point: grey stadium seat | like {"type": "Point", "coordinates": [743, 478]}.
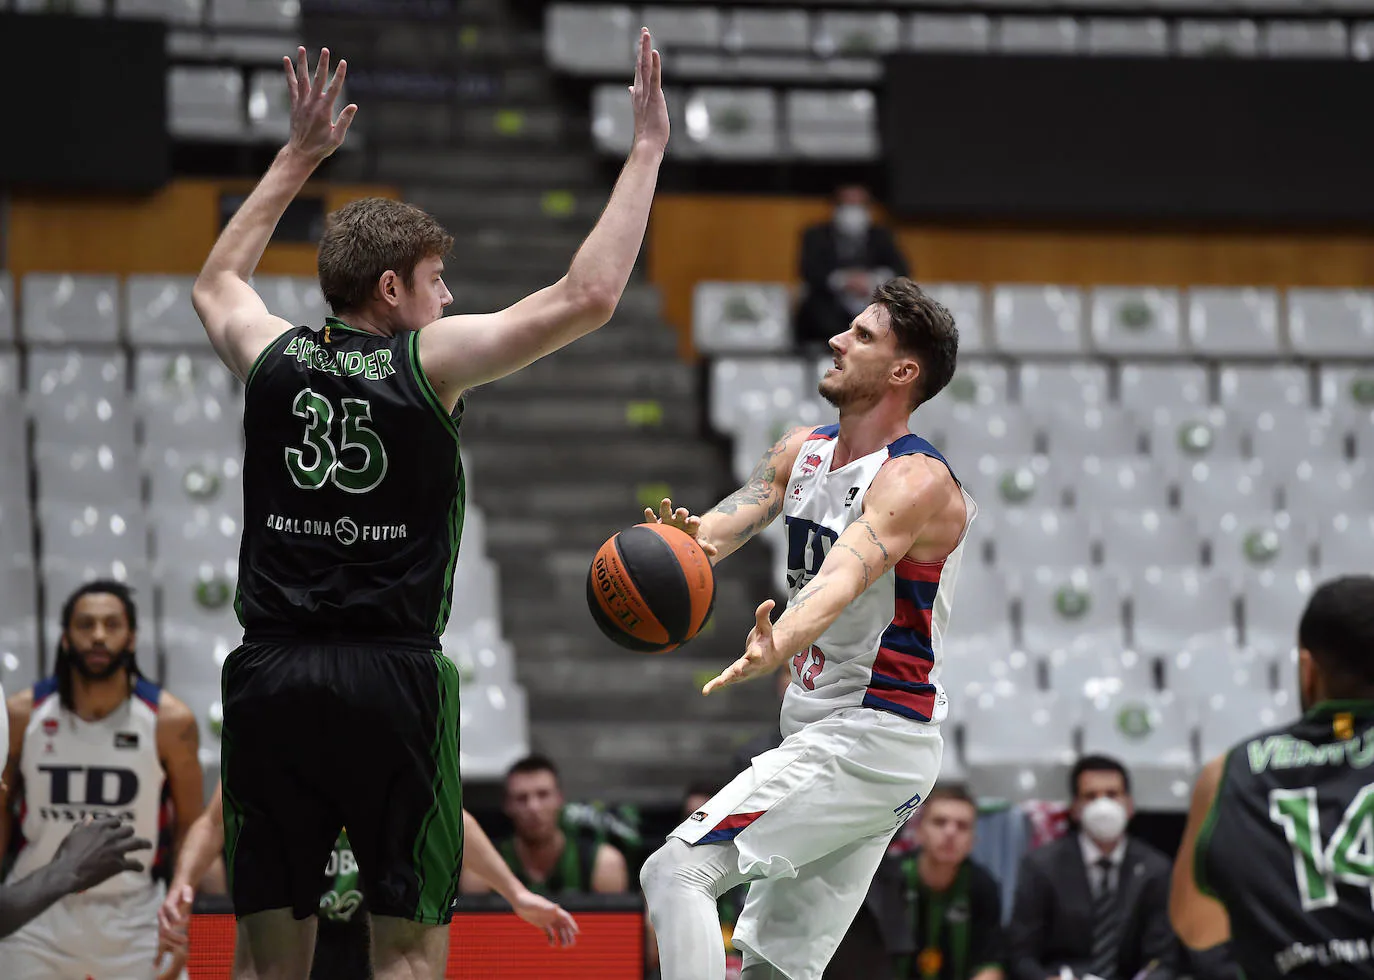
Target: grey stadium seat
{"type": "Point", "coordinates": [1005, 433]}
{"type": "Point", "coordinates": [1349, 394]}
{"type": "Point", "coordinates": [179, 12]}
{"type": "Point", "coordinates": [1328, 487]}
{"type": "Point", "coordinates": [262, 15]}
{"type": "Point", "coordinates": [1271, 605]}
{"type": "Point", "coordinates": [97, 475]}
{"type": "Point", "coordinates": [835, 125]}
{"type": "Point", "coordinates": [1031, 537]}
{"type": "Point", "coordinates": [1128, 36]}
{"type": "Point", "coordinates": [1072, 432]}
{"type": "Point", "coordinates": [182, 479]}
{"type": "Point", "coordinates": [296, 299]}
{"type": "Point", "coordinates": [158, 310]}
{"type": "Point", "coordinates": [85, 421]}
{"type": "Point", "coordinates": [1304, 39]}
{"type": "Point", "coordinates": [1198, 672]}
{"type": "Point", "coordinates": [1233, 321]}
{"type": "Point", "coordinates": [206, 103]}
{"type": "Point", "coordinates": [1146, 539]}
{"type": "Point", "coordinates": [269, 104]}
{"type": "Point", "coordinates": [1211, 488]}
{"type": "Point", "coordinates": [1078, 383]}
{"type": "Point", "coordinates": [1231, 716]}
{"type": "Point", "coordinates": [1075, 609]}
{"type": "Point", "coordinates": [16, 530]}
{"type": "Point", "coordinates": [1331, 322]}
{"type": "Point", "coordinates": [65, 309]}
{"type": "Point", "coordinates": [1021, 746]}
{"type": "Point", "coordinates": [768, 30]}
{"type": "Point", "coordinates": [1173, 387]}
{"type": "Point", "coordinates": [164, 378]}
{"type": "Point", "coordinates": [754, 389]}
{"type": "Point", "coordinates": [1292, 436]}
{"type": "Point", "coordinates": [205, 422]}
{"type": "Point", "coordinates": [493, 729]}
{"type": "Point", "coordinates": [1268, 388]}
{"type": "Point", "coordinates": [732, 317]}
{"type": "Point", "coordinates": [86, 534]}
{"type": "Point", "coordinates": [6, 309]}
{"type": "Point", "coordinates": [1243, 541]}
{"type": "Point", "coordinates": [1038, 35]}
{"type": "Point", "coordinates": [695, 27]}
{"type": "Point", "coordinates": [1217, 38]}
{"type": "Point", "coordinates": [1190, 436]}
{"type": "Point", "coordinates": [1347, 545]}
{"type": "Point", "coordinates": [1100, 485]}
{"type": "Point", "coordinates": [1038, 319]}
{"type": "Point", "coordinates": [854, 33]}
{"type": "Point", "coordinates": [196, 536]}
{"type": "Point", "coordinates": [949, 32]}
{"type": "Point", "coordinates": [1128, 320]}
{"type": "Point", "coordinates": [733, 123]}
{"type": "Point", "coordinates": [1171, 611]}
{"type": "Point", "coordinates": [1151, 735]}
{"type": "Point", "coordinates": [1104, 671]}
{"type": "Point", "coordinates": [60, 375]}
{"type": "Point", "coordinates": [965, 303]}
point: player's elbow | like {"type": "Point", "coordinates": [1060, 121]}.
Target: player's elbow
{"type": "Point", "coordinates": [208, 296]}
{"type": "Point", "coordinates": [595, 304]}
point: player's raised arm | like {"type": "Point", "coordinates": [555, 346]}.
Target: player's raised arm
{"type": "Point", "coordinates": [908, 494]}
{"type": "Point", "coordinates": [461, 351]}
{"type": "Point", "coordinates": [235, 317]}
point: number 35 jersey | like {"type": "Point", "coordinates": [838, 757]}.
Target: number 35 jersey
{"type": "Point", "coordinates": [883, 651]}
{"type": "Point", "coordinates": [353, 491]}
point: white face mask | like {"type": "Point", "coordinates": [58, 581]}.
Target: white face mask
{"type": "Point", "coordinates": [852, 219]}
{"type": "Point", "coordinates": [1104, 819]}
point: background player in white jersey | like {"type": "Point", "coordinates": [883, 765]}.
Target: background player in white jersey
{"type": "Point", "coordinates": [96, 740]}
{"type": "Point", "coordinates": [875, 522]}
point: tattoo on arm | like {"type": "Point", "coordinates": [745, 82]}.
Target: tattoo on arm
{"type": "Point", "coordinates": [863, 563]}
{"type": "Point", "coordinates": [873, 537]}
{"type": "Point", "coordinates": [758, 491]}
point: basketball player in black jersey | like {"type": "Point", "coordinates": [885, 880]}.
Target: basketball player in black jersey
{"type": "Point", "coordinates": [339, 708]}
{"type": "Point", "coordinates": [1278, 853]}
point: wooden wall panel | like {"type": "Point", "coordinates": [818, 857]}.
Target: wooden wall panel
{"type": "Point", "coordinates": [170, 231]}
{"type": "Point", "coordinates": [696, 237]}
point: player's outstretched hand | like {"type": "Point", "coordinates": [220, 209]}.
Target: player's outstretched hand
{"type": "Point", "coordinates": [681, 519]}
{"type": "Point", "coordinates": [646, 95]}
{"type": "Point", "coordinates": [98, 849]}
{"type": "Point", "coordinates": [760, 655]}
{"type": "Point", "coordinates": [558, 925]}
{"type": "Point", "coordinates": [314, 130]}
{"type": "Point", "coordinates": [173, 918]}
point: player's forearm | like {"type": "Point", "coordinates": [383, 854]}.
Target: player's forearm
{"type": "Point", "coordinates": [482, 859]}
{"type": "Point", "coordinates": [603, 264]}
{"type": "Point", "coordinates": [811, 611]}
{"type": "Point", "coordinates": [244, 239]}
{"type": "Point", "coordinates": [29, 897]}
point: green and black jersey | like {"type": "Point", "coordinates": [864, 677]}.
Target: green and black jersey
{"type": "Point", "coordinates": [1288, 847]}
{"type": "Point", "coordinates": [353, 491]}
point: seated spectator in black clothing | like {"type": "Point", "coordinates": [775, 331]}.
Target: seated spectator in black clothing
{"type": "Point", "coordinates": [547, 860]}
{"type": "Point", "coordinates": [841, 263]}
{"type": "Point", "coordinates": [1095, 902]}
{"type": "Point", "coordinates": [934, 913]}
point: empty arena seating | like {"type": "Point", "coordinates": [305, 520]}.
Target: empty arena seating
{"type": "Point", "coordinates": [1163, 475]}
{"type": "Point", "coordinates": [121, 435]}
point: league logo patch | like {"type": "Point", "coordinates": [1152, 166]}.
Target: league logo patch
{"type": "Point", "coordinates": [699, 816]}
{"type": "Point", "coordinates": [126, 740]}
{"type": "Point", "coordinates": [811, 464]}
{"type": "Point", "coordinates": [849, 497]}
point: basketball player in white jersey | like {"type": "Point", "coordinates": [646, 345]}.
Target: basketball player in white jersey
{"type": "Point", "coordinates": [875, 524]}
{"type": "Point", "coordinates": [96, 740]}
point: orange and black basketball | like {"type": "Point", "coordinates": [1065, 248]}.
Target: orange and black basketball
{"type": "Point", "coordinates": [650, 588]}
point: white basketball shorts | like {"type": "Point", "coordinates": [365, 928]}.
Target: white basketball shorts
{"type": "Point", "coordinates": [811, 820]}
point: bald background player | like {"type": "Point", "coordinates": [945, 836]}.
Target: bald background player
{"type": "Point", "coordinates": [353, 513]}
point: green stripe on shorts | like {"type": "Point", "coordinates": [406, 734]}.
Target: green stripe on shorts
{"type": "Point", "coordinates": [438, 852]}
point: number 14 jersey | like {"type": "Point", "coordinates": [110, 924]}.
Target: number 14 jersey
{"type": "Point", "coordinates": [353, 491]}
{"type": "Point", "coordinates": [883, 652]}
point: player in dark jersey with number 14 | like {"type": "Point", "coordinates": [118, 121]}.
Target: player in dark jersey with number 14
{"type": "Point", "coordinates": [1278, 853]}
{"type": "Point", "coordinates": [339, 708]}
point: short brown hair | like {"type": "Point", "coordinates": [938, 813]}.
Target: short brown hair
{"type": "Point", "coordinates": [951, 791]}
{"type": "Point", "coordinates": [364, 239]}
{"type": "Point", "coordinates": [924, 329]}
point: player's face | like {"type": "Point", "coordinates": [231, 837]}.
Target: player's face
{"type": "Point", "coordinates": [866, 357]}
{"type": "Point", "coordinates": [946, 830]}
{"type": "Point", "coordinates": [424, 299]}
{"type": "Point", "coordinates": [99, 634]}
{"type": "Point", "coordinates": [533, 802]}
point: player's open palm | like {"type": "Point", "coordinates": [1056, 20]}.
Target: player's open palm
{"type": "Point", "coordinates": [314, 130]}
{"type": "Point", "coordinates": [646, 95]}
{"type": "Point", "coordinates": [761, 656]}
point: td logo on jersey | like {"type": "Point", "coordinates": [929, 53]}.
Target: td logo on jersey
{"type": "Point", "coordinates": [75, 791]}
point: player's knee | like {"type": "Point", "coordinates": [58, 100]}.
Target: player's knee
{"type": "Point", "coordinates": [672, 868]}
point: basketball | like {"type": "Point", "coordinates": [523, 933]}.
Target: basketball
{"type": "Point", "coordinates": [650, 588]}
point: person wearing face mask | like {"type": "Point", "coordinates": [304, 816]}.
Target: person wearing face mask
{"type": "Point", "coordinates": [1093, 904]}
{"type": "Point", "coordinates": [1276, 854]}
{"type": "Point", "coordinates": [842, 261]}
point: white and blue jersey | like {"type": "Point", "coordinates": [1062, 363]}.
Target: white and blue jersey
{"type": "Point", "coordinates": [883, 651]}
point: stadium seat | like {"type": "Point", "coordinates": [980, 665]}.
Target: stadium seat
{"type": "Point", "coordinates": [1135, 321]}
{"type": "Point", "coordinates": [965, 303]}
{"type": "Point", "coordinates": [1230, 716]}
{"type": "Point", "coordinates": [1019, 747]}
{"type": "Point", "coordinates": [733, 123]}
{"type": "Point", "coordinates": [768, 30]}
{"type": "Point", "coordinates": [1346, 545]}
{"type": "Point", "coordinates": [1270, 388]}
{"type": "Point", "coordinates": [476, 590]}
{"type": "Point", "coordinates": [296, 299]}
{"type": "Point", "coordinates": [6, 309]}
{"type": "Point", "coordinates": [93, 474]}
{"type": "Point", "coordinates": [164, 378]}
{"type": "Point", "coordinates": [260, 15]}
{"type": "Point", "coordinates": [199, 627]}
{"type": "Point", "coordinates": [1290, 437]}
{"type": "Point", "coordinates": [1362, 40]}
{"type": "Point", "coordinates": [690, 27]}
{"type": "Point", "coordinates": [20, 664]}
{"type": "Point", "coordinates": [1005, 483]}
{"type": "Point", "coordinates": [1197, 671]}
{"type": "Point", "coordinates": [1129, 37]}
{"type": "Point", "coordinates": [1189, 436]}
{"type": "Point", "coordinates": [1099, 485]}
{"type": "Point", "coordinates": [1037, 319]}
{"type": "Point", "coordinates": [158, 311]}
{"type": "Point", "coordinates": [982, 605]}
{"type": "Point", "coordinates": [493, 730]}
{"type": "Point", "coordinates": [9, 378]}
{"type": "Point", "coordinates": [1304, 39]}
{"type": "Point", "coordinates": [1233, 321]}
{"type": "Point", "coordinates": [1210, 488]}
{"type": "Point", "coordinates": [87, 8]}
{"type": "Point", "coordinates": [177, 12]}
{"type": "Point", "coordinates": [206, 422]}
{"type": "Point", "coordinates": [83, 420]}
{"type": "Point", "coordinates": [480, 652]}
{"type": "Point", "coordinates": [1173, 610]}
{"type": "Point", "coordinates": [1271, 605]}
{"type": "Point", "coordinates": [1038, 35]}
{"type": "Point", "coordinates": [205, 103]}
{"type": "Point", "coordinates": [1331, 322]}
{"type": "Point", "coordinates": [1151, 735]}
{"type": "Point", "coordinates": [1328, 488]}
{"type": "Point", "coordinates": [1051, 538]}
{"type": "Point", "coordinates": [1175, 388]}
{"type": "Point", "coordinates": [1348, 392]}
{"type": "Point", "coordinates": [1071, 609]}
{"type": "Point", "coordinates": [269, 104]}
{"type": "Point", "coordinates": [105, 536]}
{"type": "Point", "coordinates": [949, 32]}
{"type": "Point", "coordinates": [184, 479]}
{"type": "Point", "coordinates": [197, 535]}
{"type": "Point", "coordinates": [16, 531]}
{"type": "Point", "coordinates": [849, 33]}
{"type": "Point", "coordinates": [834, 125]}
{"type": "Point", "coordinates": [1003, 433]}
{"type": "Point", "coordinates": [1074, 431]}
{"type": "Point", "coordinates": [1103, 671]}
{"type": "Point", "coordinates": [594, 39]}
{"type": "Point", "coordinates": [1217, 38]}
{"type": "Point", "coordinates": [1248, 540]}
{"type": "Point", "coordinates": [753, 389]}
{"type": "Point", "coordinates": [70, 309]}
{"type": "Point", "coordinates": [1150, 539]}
{"type": "Point", "coordinates": [731, 317]}
{"type": "Point", "coordinates": [58, 375]}
{"type": "Point", "coordinates": [1076, 383]}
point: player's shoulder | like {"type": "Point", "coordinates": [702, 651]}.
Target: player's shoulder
{"type": "Point", "coordinates": [171, 710]}
{"type": "Point", "coordinates": [20, 705]}
{"type": "Point", "coordinates": [916, 478]}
